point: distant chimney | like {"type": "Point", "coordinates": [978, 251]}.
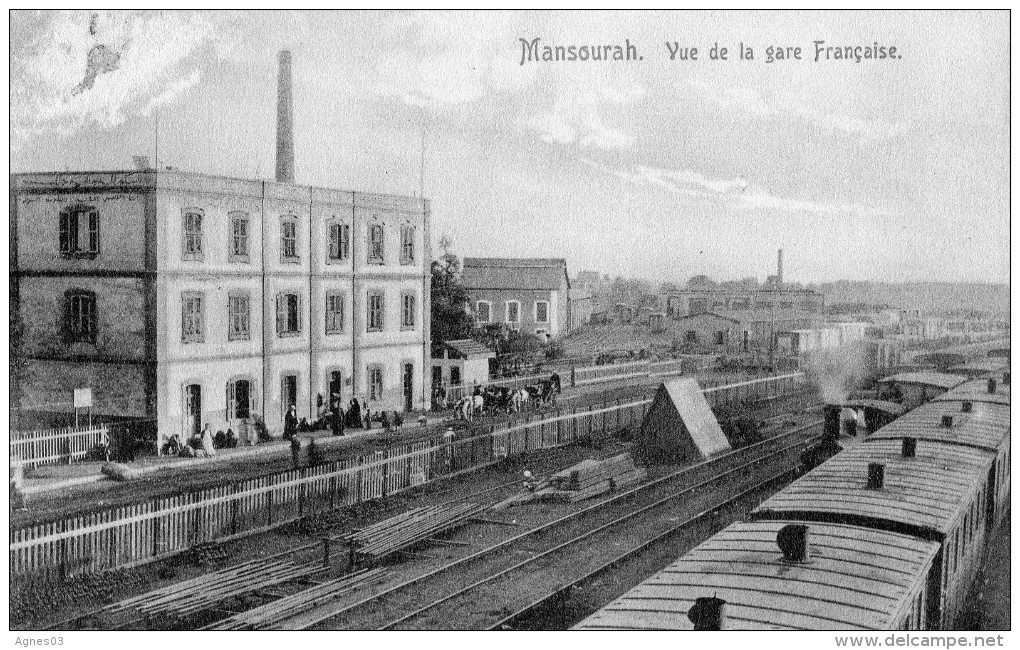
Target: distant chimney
{"type": "Point", "coordinates": [991, 385]}
{"type": "Point", "coordinates": [909, 447]}
{"type": "Point", "coordinates": [947, 421]}
{"type": "Point", "coordinates": [707, 614]}
{"type": "Point", "coordinates": [141, 163]}
{"type": "Point", "coordinates": [284, 122]}
{"type": "Point", "coordinates": [779, 270]}
{"type": "Point", "coordinates": [876, 476]}
{"type": "Point", "coordinates": [793, 542]}
{"type": "Point", "coordinates": [966, 407]}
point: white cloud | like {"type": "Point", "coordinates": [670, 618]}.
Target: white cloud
{"type": "Point", "coordinates": [757, 105]}
{"type": "Point", "coordinates": [153, 68]}
{"type": "Point", "coordinates": [735, 193]}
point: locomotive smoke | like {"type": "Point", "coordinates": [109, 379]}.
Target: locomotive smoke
{"type": "Point", "coordinates": [835, 371]}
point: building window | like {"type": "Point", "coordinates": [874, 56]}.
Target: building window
{"type": "Point", "coordinates": [484, 311]}
{"type": "Point", "coordinates": [79, 231]}
{"type": "Point", "coordinates": [288, 314]}
{"type": "Point", "coordinates": [692, 336]}
{"type": "Point", "coordinates": [720, 338]}
{"type": "Point", "coordinates": [288, 240]}
{"type": "Point", "coordinates": [192, 318]}
{"type": "Point", "coordinates": [375, 244]}
{"type": "Point", "coordinates": [542, 312]}
{"type": "Point", "coordinates": [786, 304]}
{"type": "Point", "coordinates": [339, 242]}
{"type": "Point", "coordinates": [407, 310]}
{"type": "Point", "coordinates": [513, 313]}
{"type": "Point", "coordinates": [239, 229]}
{"type": "Point", "coordinates": [80, 316]}
{"type": "Point", "coordinates": [375, 312]}
{"type": "Point", "coordinates": [193, 234]}
{"type": "Point", "coordinates": [334, 313]}
{"type": "Point", "coordinates": [375, 384]}
{"type": "Point", "coordinates": [238, 317]}
{"type": "Point", "coordinates": [407, 244]}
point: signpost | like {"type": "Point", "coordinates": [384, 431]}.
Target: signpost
{"type": "Point", "coordinates": [82, 400]}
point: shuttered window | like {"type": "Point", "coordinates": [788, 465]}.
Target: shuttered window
{"type": "Point", "coordinates": [407, 311]}
{"type": "Point", "coordinates": [375, 312]}
{"type": "Point", "coordinates": [339, 242]}
{"type": "Point", "coordinates": [334, 313]}
{"type": "Point", "coordinates": [79, 231]}
{"type": "Point", "coordinates": [288, 314]}
{"type": "Point", "coordinates": [376, 245]}
{"type": "Point", "coordinates": [375, 383]}
{"type": "Point", "coordinates": [193, 234]}
{"type": "Point", "coordinates": [192, 318]}
{"type": "Point", "coordinates": [239, 317]}
{"type": "Point", "coordinates": [239, 226]}
{"type": "Point", "coordinates": [288, 240]}
{"type": "Point", "coordinates": [407, 244]}
{"type": "Point", "coordinates": [80, 316]}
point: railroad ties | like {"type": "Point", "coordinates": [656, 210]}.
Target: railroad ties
{"type": "Point", "coordinates": [375, 542]}
{"type": "Point", "coordinates": [275, 614]}
{"type": "Point", "coordinates": [591, 478]}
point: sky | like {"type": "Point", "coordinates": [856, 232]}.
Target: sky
{"type": "Point", "coordinates": [893, 169]}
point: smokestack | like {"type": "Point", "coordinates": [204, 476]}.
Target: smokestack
{"type": "Point", "coordinates": [779, 270]}
{"type": "Point", "coordinates": [707, 614]}
{"type": "Point", "coordinates": [284, 122]}
{"type": "Point", "coordinates": [909, 447]}
{"type": "Point", "coordinates": [793, 542]}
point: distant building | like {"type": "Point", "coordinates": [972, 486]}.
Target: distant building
{"type": "Point", "coordinates": [530, 295]}
{"type": "Point", "coordinates": [462, 362]}
{"type": "Point", "coordinates": [581, 307]}
{"type": "Point", "coordinates": [708, 330]}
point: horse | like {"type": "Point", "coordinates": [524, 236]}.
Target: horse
{"type": "Point", "coordinates": [463, 409]}
{"type": "Point", "coordinates": [478, 404]}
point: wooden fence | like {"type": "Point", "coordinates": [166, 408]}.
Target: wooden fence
{"type": "Point", "coordinates": [144, 532]}
{"type": "Point", "coordinates": [48, 446]}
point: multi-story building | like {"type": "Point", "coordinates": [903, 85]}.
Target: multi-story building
{"type": "Point", "coordinates": [190, 299]}
{"type": "Point", "coordinates": [529, 295]}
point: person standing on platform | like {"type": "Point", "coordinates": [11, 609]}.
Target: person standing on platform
{"type": "Point", "coordinates": [337, 419]}
{"type": "Point", "coordinates": [290, 423]}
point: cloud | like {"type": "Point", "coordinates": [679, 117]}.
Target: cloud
{"type": "Point", "coordinates": [735, 193]}
{"type": "Point", "coordinates": [756, 105]}
{"type": "Point", "coordinates": [155, 66]}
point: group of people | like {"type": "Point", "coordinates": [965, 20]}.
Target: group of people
{"type": "Point", "coordinates": [201, 444]}
{"type": "Point", "coordinates": [336, 419]}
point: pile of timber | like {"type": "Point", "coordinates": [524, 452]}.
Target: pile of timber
{"type": "Point", "coordinates": [183, 599]}
{"type": "Point", "coordinates": [271, 615]}
{"type": "Point", "coordinates": [407, 529]}
{"type": "Point", "coordinates": [591, 478]}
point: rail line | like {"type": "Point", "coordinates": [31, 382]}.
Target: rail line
{"type": "Point", "coordinates": [400, 602]}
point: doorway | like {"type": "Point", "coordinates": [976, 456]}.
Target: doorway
{"type": "Point", "coordinates": [239, 400]}
{"type": "Point", "coordinates": [336, 386]}
{"type": "Point", "coordinates": [408, 386]}
{"type": "Point", "coordinates": [288, 392]}
{"type": "Point", "coordinates": [192, 409]}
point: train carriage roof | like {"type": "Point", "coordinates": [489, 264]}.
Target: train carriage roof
{"type": "Point", "coordinates": [922, 495]}
{"type": "Point", "coordinates": [986, 426]}
{"type": "Point", "coordinates": [976, 390]}
{"type": "Point", "coordinates": [937, 379]}
{"type": "Point", "coordinates": [854, 578]}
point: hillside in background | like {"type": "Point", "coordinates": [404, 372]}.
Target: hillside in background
{"type": "Point", "coordinates": [929, 296]}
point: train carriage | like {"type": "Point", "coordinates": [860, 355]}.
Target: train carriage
{"type": "Point", "coordinates": [850, 578]}
{"type": "Point", "coordinates": [936, 480]}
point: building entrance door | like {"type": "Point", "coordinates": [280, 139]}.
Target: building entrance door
{"type": "Point", "coordinates": [288, 395]}
{"type": "Point", "coordinates": [408, 386]}
{"type": "Point", "coordinates": [336, 386]}
{"type": "Point", "coordinates": [192, 409]}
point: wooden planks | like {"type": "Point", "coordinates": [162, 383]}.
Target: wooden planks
{"type": "Point", "coordinates": [390, 535]}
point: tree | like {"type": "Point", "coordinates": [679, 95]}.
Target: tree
{"type": "Point", "coordinates": [450, 317]}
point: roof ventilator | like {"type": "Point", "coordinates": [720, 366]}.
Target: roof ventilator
{"type": "Point", "coordinates": [707, 614]}
{"type": "Point", "coordinates": [947, 421]}
{"type": "Point", "coordinates": [991, 385]}
{"type": "Point", "coordinates": [876, 476]}
{"type": "Point", "coordinates": [967, 407]}
{"type": "Point", "coordinates": [793, 542]}
{"type": "Point", "coordinates": [909, 447]}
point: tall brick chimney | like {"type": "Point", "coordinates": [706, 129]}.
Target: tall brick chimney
{"type": "Point", "coordinates": [779, 271]}
{"type": "Point", "coordinates": [284, 122]}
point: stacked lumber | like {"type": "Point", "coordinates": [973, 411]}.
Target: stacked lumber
{"type": "Point", "coordinates": [591, 478]}
{"type": "Point", "coordinates": [271, 615]}
{"type": "Point", "coordinates": [183, 599]}
{"type": "Point", "coordinates": [391, 535]}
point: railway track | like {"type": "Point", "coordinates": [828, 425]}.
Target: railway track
{"type": "Point", "coordinates": [486, 588]}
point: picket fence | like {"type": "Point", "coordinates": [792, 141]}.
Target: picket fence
{"type": "Point", "coordinates": [143, 532]}
{"type": "Point", "coordinates": [48, 446]}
